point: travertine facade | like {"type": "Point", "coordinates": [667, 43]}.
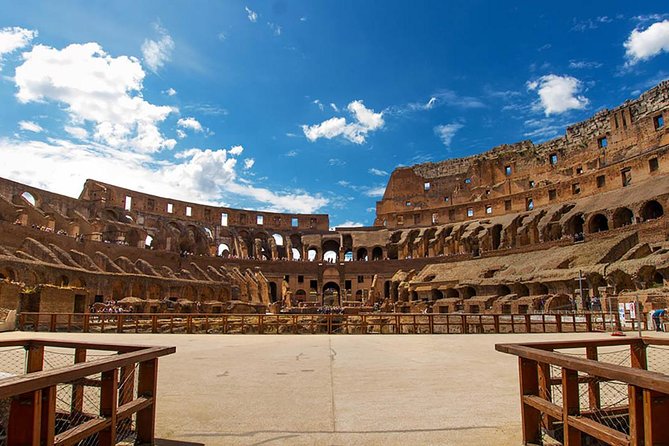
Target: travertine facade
{"type": "Point", "coordinates": [491, 232]}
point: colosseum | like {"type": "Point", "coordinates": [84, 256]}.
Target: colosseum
{"type": "Point", "coordinates": [520, 228]}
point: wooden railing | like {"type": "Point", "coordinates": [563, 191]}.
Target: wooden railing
{"type": "Point", "coordinates": [383, 323]}
{"type": "Point", "coordinates": [65, 393]}
{"type": "Point", "coordinates": [607, 391]}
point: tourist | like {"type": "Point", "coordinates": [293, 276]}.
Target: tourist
{"type": "Point", "coordinates": [658, 315]}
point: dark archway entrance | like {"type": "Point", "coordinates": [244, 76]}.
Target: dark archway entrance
{"type": "Point", "coordinates": [272, 292]}
{"type": "Point", "coordinates": [622, 217]}
{"type": "Point", "coordinates": [598, 223]}
{"type": "Point", "coordinates": [651, 210]}
{"type": "Point", "coordinates": [331, 293]}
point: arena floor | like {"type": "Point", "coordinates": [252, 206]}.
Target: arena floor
{"type": "Point", "coordinates": [334, 389]}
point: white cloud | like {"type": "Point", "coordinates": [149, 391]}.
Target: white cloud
{"type": "Point", "coordinates": [76, 132]}
{"type": "Point", "coordinates": [319, 104]}
{"type": "Point", "coordinates": [181, 134]}
{"type": "Point", "coordinates": [157, 52]}
{"type": "Point", "coordinates": [584, 64]}
{"type": "Point", "coordinates": [248, 163]}
{"type": "Point", "coordinates": [378, 172]}
{"type": "Point", "coordinates": [446, 132]}
{"type": "Point", "coordinates": [30, 126]}
{"type": "Point", "coordinates": [95, 87]}
{"type": "Point", "coordinates": [13, 38]}
{"type": "Point", "coordinates": [190, 123]}
{"type": "Point", "coordinates": [170, 92]}
{"type": "Point", "coordinates": [252, 16]}
{"type": "Point", "coordinates": [350, 224]}
{"type": "Point", "coordinates": [334, 107]}
{"type": "Point", "coordinates": [222, 36]}
{"type": "Point", "coordinates": [376, 191]}
{"type": "Point", "coordinates": [276, 29]}
{"type": "Point", "coordinates": [336, 162]}
{"type": "Point", "coordinates": [365, 121]}
{"type": "Point", "coordinates": [558, 94]}
{"type": "Point", "coordinates": [644, 44]}
{"type": "Point", "coordinates": [291, 153]}
{"type": "Point", "coordinates": [236, 150]}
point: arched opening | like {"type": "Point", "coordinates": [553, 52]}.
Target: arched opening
{"type": "Point", "coordinates": [30, 198]}
{"type": "Point", "coordinates": [496, 235]}
{"type": "Point", "coordinates": [63, 280]}
{"type": "Point", "coordinates": [330, 257]}
{"type": "Point", "coordinates": [377, 253]}
{"type": "Point", "coordinates": [358, 295]}
{"type": "Point", "coordinates": [503, 290]}
{"type": "Point", "coordinates": [651, 210]}
{"type": "Point", "coordinates": [296, 254]}
{"type": "Point", "coordinates": [437, 294]}
{"type": "Point", "coordinates": [658, 279]}
{"type": "Point", "coordinates": [8, 273]}
{"type": "Point", "coordinates": [312, 254]}
{"type": "Point", "coordinates": [598, 223]}
{"type": "Point", "coordinates": [272, 292]}
{"type": "Point", "coordinates": [521, 290]}
{"type": "Point", "coordinates": [278, 238]}
{"type": "Point", "coordinates": [541, 289]}
{"type": "Point", "coordinates": [452, 292]}
{"type": "Point", "coordinates": [386, 289]}
{"type": "Point", "coordinates": [223, 250]}
{"type": "Point", "coordinates": [132, 237]}
{"type": "Point", "coordinates": [300, 295]}
{"type": "Point", "coordinates": [622, 217]}
{"type": "Point", "coordinates": [575, 225]}
{"type": "Point", "coordinates": [361, 254]}
{"type": "Point", "coordinates": [331, 293]}
{"type": "Point", "coordinates": [348, 256]}
{"type": "Point", "coordinates": [148, 241]}
{"type": "Point", "coordinates": [468, 292]}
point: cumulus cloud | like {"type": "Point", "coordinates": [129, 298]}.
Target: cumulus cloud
{"type": "Point", "coordinates": [157, 52]}
{"type": "Point", "coordinates": [248, 163]}
{"type": "Point", "coordinates": [319, 104]}
{"type": "Point", "coordinates": [30, 126]}
{"type": "Point", "coordinates": [446, 132]}
{"type": "Point", "coordinates": [584, 64]}
{"type": "Point", "coordinates": [170, 92]}
{"type": "Point", "coordinates": [350, 224]}
{"type": "Point", "coordinates": [190, 123]}
{"type": "Point", "coordinates": [76, 132]}
{"type": "Point", "coordinates": [98, 88]}
{"type": "Point", "coordinates": [644, 44]}
{"type": "Point", "coordinates": [558, 94]}
{"type": "Point", "coordinates": [376, 191]}
{"type": "Point", "coordinates": [378, 172]}
{"type": "Point", "coordinates": [14, 38]}
{"type": "Point", "coordinates": [364, 121]}
{"type": "Point", "coordinates": [252, 15]}
{"type": "Point", "coordinates": [236, 150]}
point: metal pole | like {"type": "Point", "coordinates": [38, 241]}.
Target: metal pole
{"type": "Point", "coordinates": [638, 313]}
{"type": "Point", "coordinates": [580, 288]}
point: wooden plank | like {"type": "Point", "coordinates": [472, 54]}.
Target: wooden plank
{"type": "Point", "coordinates": [147, 387]}
{"type": "Point", "coordinates": [599, 431]}
{"type": "Point", "coordinates": [81, 431]}
{"type": "Point", "coordinates": [544, 371]}
{"type": "Point", "coordinates": [25, 419]}
{"type": "Point", "coordinates": [638, 354]}
{"type": "Point", "coordinates": [133, 406]}
{"type": "Point", "coordinates": [594, 391]}
{"type": "Point", "coordinates": [570, 406]}
{"type": "Point", "coordinates": [48, 418]}
{"type": "Point", "coordinates": [635, 397]}
{"type": "Point", "coordinates": [550, 409]}
{"type": "Point", "coordinates": [530, 416]}
{"type": "Point", "coordinates": [38, 380]}
{"type": "Point", "coordinates": [77, 404]}
{"type": "Point", "coordinates": [655, 416]}
{"type": "Point", "coordinates": [108, 405]}
{"type": "Point", "coordinates": [35, 361]}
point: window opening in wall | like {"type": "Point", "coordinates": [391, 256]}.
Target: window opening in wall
{"type": "Point", "coordinates": [150, 204]}
{"type": "Point", "coordinates": [189, 211]}
{"type": "Point", "coordinates": [488, 209]}
{"type": "Point", "coordinates": [468, 180]}
{"type": "Point", "coordinates": [602, 142]}
{"type": "Point", "coordinates": [653, 164]}
{"type": "Point", "coordinates": [300, 279]}
{"type": "Point", "coordinates": [487, 192]}
{"type": "Point", "coordinates": [260, 219]}
{"type": "Point", "coordinates": [451, 214]}
{"type": "Point", "coordinates": [400, 219]}
{"type": "Point", "coordinates": [470, 212]}
{"type": "Point", "coordinates": [615, 120]}
{"type": "Point", "coordinates": [170, 208]}
{"type": "Point", "coordinates": [128, 203]}
{"type": "Point", "coordinates": [552, 194]}
{"type": "Point", "coordinates": [553, 158]}
{"type": "Point", "coordinates": [361, 279]}
{"type": "Point", "coordinates": [408, 203]}
{"type": "Point", "coordinates": [579, 170]}
{"type": "Point", "coordinates": [507, 170]}
{"type": "Point", "coordinates": [207, 214]}
{"type": "Point", "coordinates": [313, 222]}
{"type": "Point", "coordinates": [447, 199]}
{"type": "Point", "coordinates": [601, 181]}
{"type": "Point", "coordinates": [313, 284]}
{"type": "Point", "coordinates": [529, 204]}
{"type": "Point", "coordinates": [385, 222]}
{"type": "Point", "coordinates": [658, 122]}
{"type": "Point", "coordinates": [426, 186]}
{"type": "Point", "coordinates": [576, 188]}
{"type": "Point", "coordinates": [507, 205]}
{"type": "Point", "coordinates": [224, 219]}
{"type": "Point", "coordinates": [416, 219]}
{"type": "Point", "coordinates": [622, 114]}
{"type": "Point", "coordinates": [286, 278]}
{"type": "Point", "coordinates": [277, 221]}
{"type": "Point", "coordinates": [435, 218]}
{"type": "Point", "coordinates": [242, 219]}
{"type": "Point", "coordinates": [294, 222]}
{"type": "Point", "coordinates": [626, 176]}
{"type": "Point", "coordinates": [532, 184]}
{"type": "Point", "coordinates": [347, 285]}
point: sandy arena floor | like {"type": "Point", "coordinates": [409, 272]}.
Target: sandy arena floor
{"type": "Point", "coordinates": [335, 390]}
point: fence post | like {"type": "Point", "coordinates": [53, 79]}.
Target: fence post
{"type": "Point", "coordinates": [35, 358]}
{"type": "Point", "coordinates": [558, 323]}
{"type": "Point", "coordinates": [588, 322]}
{"type": "Point", "coordinates": [655, 415]}
{"type": "Point", "coordinates": [544, 370]}
{"type": "Point", "coordinates": [52, 326]}
{"type": "Point", "coordinates": [529, 385]}
{"type": "Point", "coordinates": [570, 406]}
{"type": "Point", "coordinates": [48, 417]}
{"type": "Point", "coordinates": [77, 404]}
{"type": "Point", "coordinates": [87, 321]}
{"type": "Point", "coordinates": [146, 387]}
{"type": "Point", "coordinates": [463, 323]}
{"type": "Point", "coordinates": [495, 319]}
{"type": "Point", "coordinates": [594, 390]}
{"type": "Point", "coordinates": [108, 405]}
{"type": "Point", "coordinates": [528, 324]}
{"type": "Point", "coordinates": [25, 419]}
{"type": "Point", "coordinates": [636, 414]}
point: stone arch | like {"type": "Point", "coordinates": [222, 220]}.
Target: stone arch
{"type": "Point", "coordinates": [312, 253]}
{"type": "Point", "coordinates": [521, 289]}
{"type": "Point", "coordinates": [622, 217]}
{"type": "Point", "coordinates": [386, 289]}
{"type": "Point", "coordinates": [300, 295]}
{"type": "Point", "coordinates": [29, 198]}
{"type": "Point", "coordinates": [273, 295]}
{"type": "Point", "coordinates": [651, 210]}
{"type": "Point", "coordinates": [361, 254]}
{"type": "Point", "coordinates": [132, 237]}
{"type": "Point", "coordinates": [574, 225]}
{"type": "Point", "coordinates": [78, 282]}
{"type": "Point", "coordinates": [330, 250]}
{"type": "Point", "coordinates": [437, 294]}
{"type": "Point", "coordinates": [223, 250]}
{"type": "Point", "coordinates": [377, 253]}
{"type": "Point", "coordinates": [110, 233]}
{"type": "Point", "coordinates": [331, 293]}
{"type": "Point", "coordinates": [452, 292]}
{"type": "Point", "coordinates": [598, 223]}
{"type": "Point", "coordinates": [468, 292]}
{"type": "Point", "coordinates": [503, 290]}
{"type": "Point", "coordinates": [496, 236]}
{"type": "Point", "coordinates": [7, 273]}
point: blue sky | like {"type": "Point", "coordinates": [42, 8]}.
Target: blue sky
{"type": "Point", "coordinates": [302, 106]}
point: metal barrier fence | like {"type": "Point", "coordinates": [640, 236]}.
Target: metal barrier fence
{"type": "Point", "coordinates": [611, 391]}
{"type": "Point", "coordinates": [368, 323]}
{"type": "Point", "coordinates": [76, 393]}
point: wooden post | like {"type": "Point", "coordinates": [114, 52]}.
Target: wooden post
{"type": "Point", "coordinates": [544, 370]}
{"type": "Point", "coordinates": [87, 321]}
{"type": "Point", "coordinates": [77, 404]}
{"type": "Point", "coordinates": [594, 390]}
{"type": "Point", "coordinates": [529, 385]}
{"type": "Point", "coordinates": [463, 322]}
{"type": "Point", "coordinates": [638, 355]}
{"type": "Point", "coordinates": [48, 417]}
{"type": "Point", "coordinates": [154, 324]}
{"type": "Point", "coordinates": [570, 406]}
{"type": "Point", "coordinates": [25, 419]}
{"type": "Point", "coordinates": [636, 415]}
{"type": "Point", "coordinates": [108, 406]}
{"type": "Point", "coordinates": [146, 387]}
{"type": "Point", "coordinates": [655, 416]}
{"type": "Point", "coordinates": [588, 322]}
{"type": "Point", "coordinates": [35, 358]}
{"type": "Point", "coordinates": [528, 324]}
{"type": "Point", "coordinates": [558, 323]}
{"type": "Point", "coordinates": [495, 319]}
{"type": "Point", "coordinates": [52, 325]}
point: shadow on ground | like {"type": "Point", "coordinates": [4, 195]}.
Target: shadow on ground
{"type": "Point", "coordinates": [164, 442]}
